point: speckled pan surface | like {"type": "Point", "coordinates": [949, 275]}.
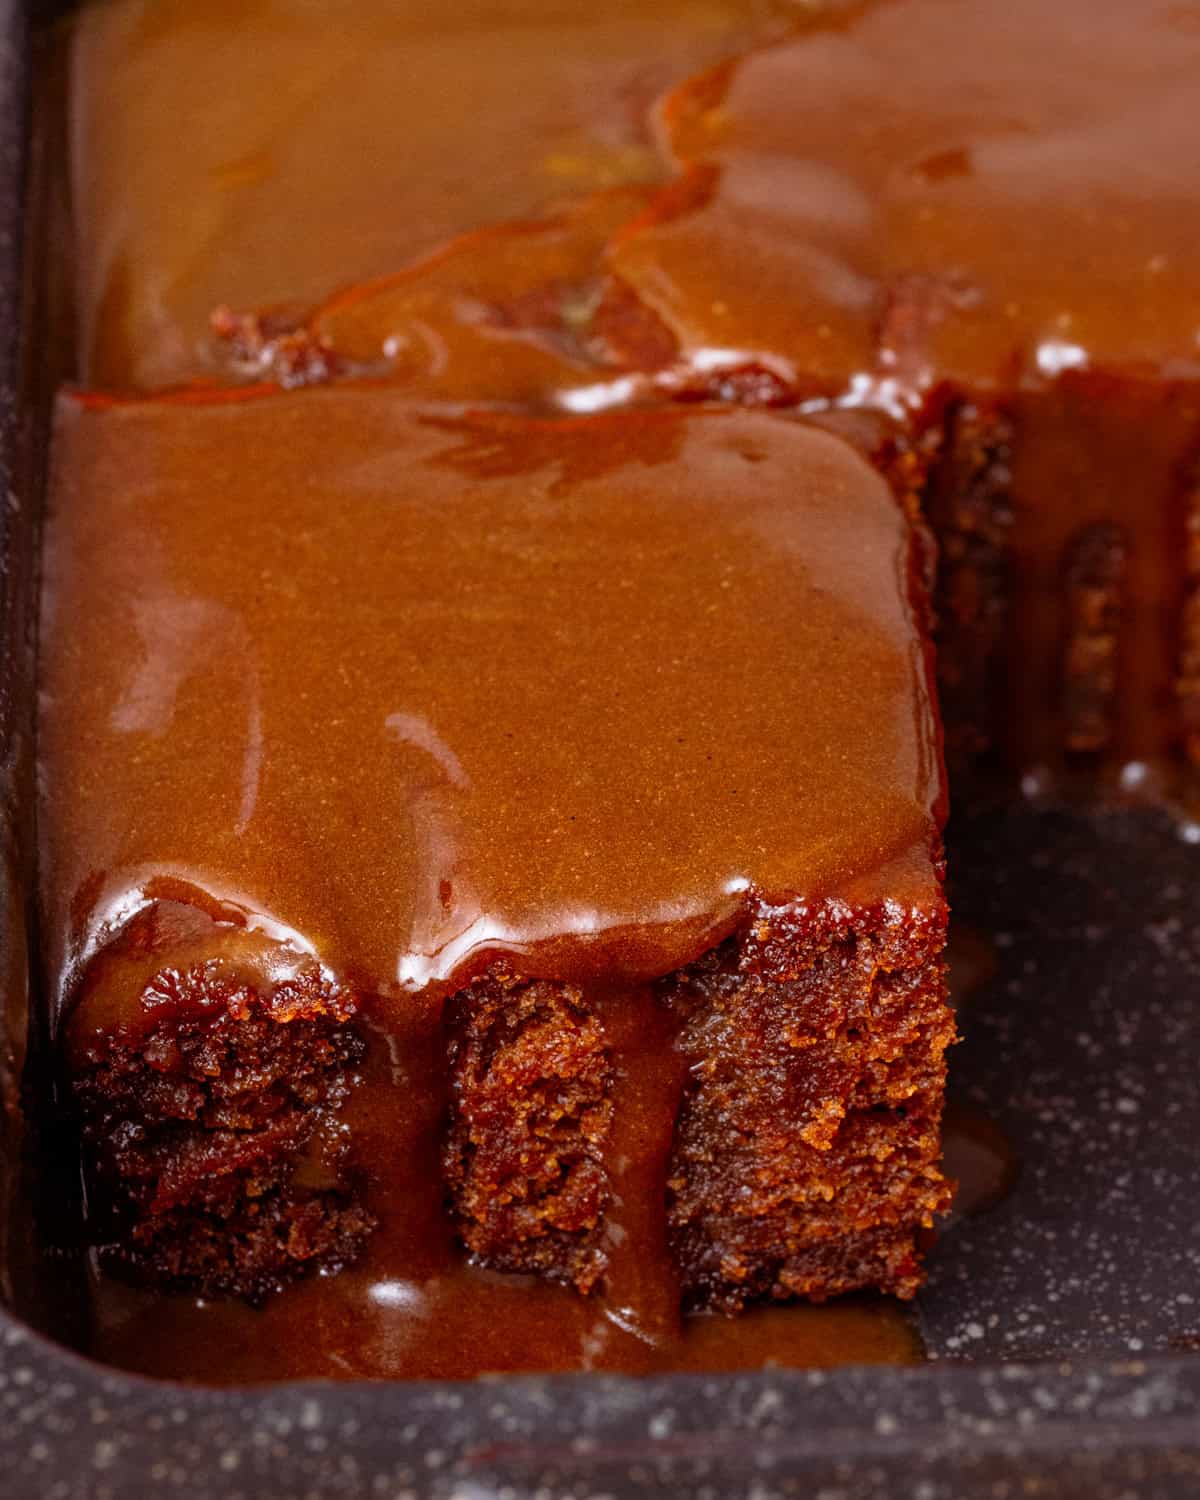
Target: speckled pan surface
{"type": "Point", "coordinates": [1100, 1432]}
{"type": "Point", "coordinates": [1082, 1047]}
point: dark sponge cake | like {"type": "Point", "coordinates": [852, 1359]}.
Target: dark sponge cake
{"type": "Point", "coordinates": [531, 1111]}
{"type": "Point", "coordinates": [565, 793]}
{"type": "Point", "coordinates": [808, 1142]}
{"type": "Point", "coordinates": [491, 847]}
{"type": "Point", "coordinates": [205, 1066]}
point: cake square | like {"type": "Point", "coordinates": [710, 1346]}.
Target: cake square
{"type": "Point", "coordinates": [516, 832]}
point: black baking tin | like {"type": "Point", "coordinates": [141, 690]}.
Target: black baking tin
{"type": "Point", "coordinates": [1064, 1324]}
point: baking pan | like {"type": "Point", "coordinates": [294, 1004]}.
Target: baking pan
{"type": "Point", "coordinates": [1062, 1323]}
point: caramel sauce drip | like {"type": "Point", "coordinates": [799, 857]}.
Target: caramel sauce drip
{"type": "Point", "coordinates": [1095, 574]}
{"type": "Point", "coordinates": [969, 504]}
{"type": "Point", "coordinates": [1188, 682]}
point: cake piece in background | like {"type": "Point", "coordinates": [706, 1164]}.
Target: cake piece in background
{"type": "Point", "coordinates": [264, 156]}
{"type": "Point", "coordinates": [923, 207]}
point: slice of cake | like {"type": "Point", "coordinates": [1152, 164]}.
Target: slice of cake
{"type": "Point", "coordinates": [527, 826]}
{"type": "Point", "coordinates": [983, 216]}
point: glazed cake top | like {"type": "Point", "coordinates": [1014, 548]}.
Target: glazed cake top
{"type": "Point", "coordinates": [258, 152]}
{"type": "Point", "coordinates": [939, 189]}
{"type": "Point", "coordinates": [874, 197]}
{"type": "Point", "coordinates": [421, 688]}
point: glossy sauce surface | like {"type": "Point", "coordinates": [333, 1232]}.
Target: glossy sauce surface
{"type": "Point", "coordinates": [464, 1323]}
{"type": "Point", "coordinates": [902, 195]}
{"type": "Point", "coordinates": [508, 313]}
{"type": "Point", "coordinates": [328, 144]}
{"type": "Point", "coordinates": [937, 190]}
{"type": "Point", "coordinates": [422, 689]}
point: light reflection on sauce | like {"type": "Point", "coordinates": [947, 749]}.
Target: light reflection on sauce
{"type": "Point", "coordinates": [463, 1324]}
